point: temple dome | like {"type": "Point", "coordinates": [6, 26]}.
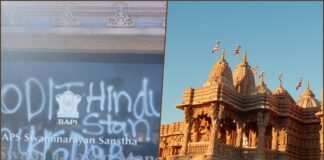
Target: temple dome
{"type": "Point", "coordinates": [243, 78]}
{"type": "Point", "coordinates": [280, 91]}
{"type": "Point", "coordinates": [261, 87]}
{"type": "Point", "coordinates": [220, 73]}
{"type": "Point", "coordinates": [307, 99]}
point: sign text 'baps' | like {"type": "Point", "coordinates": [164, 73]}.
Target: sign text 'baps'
{"type": "Point", "coordinates": [89, 119]}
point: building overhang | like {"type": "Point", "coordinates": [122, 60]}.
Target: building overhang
{"type": "Point", "coordinates": [112, 40]}
{"type": "Point", "coordinates": [86, 26]}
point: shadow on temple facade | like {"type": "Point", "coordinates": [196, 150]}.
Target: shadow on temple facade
{"type": "Point", "coordinates": [233, 118]}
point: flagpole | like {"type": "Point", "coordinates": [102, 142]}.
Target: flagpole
{"type": "Point", "coordinates": [280, 79]}
{"type": "Point", "coordinates": [215, 49]}
{"type": "Point", "coordinates": [255, 71]}
{"type": "Point", "coordinates": [216, 55]}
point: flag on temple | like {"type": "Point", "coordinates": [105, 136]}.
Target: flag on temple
{"type": "Point", "coordinates": [299, 83]}
{"type": "Point", "coordinates": [255, 70]}
{"type": "Point", "coordinates": [237, 50]}
{"type": "Point", "coordinates": [215, 49]}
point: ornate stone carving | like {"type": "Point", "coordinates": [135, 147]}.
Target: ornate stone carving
{"type": "Point", "coordinates": [282, 139]}
{"type": "Point", "coordinates": [221, 112]}
{"type": "Point", "coordinates": [253, 139]}
{"type": "Point", "coordinates": [274, 142]}
{"type": "Point", "coordinates": [213, 111]}
{"type": "Point", "coordinates": [13, 19]}
{"type": "Point", "coordinates": [67, 19]}
{"type": "Point", "coordinates": [228, 137]}
{"type": "Point", "coordinates": [239, 134]}
{"type": "Point", "coordinates": [201, 111]}
{"type": "Point", "coordinates": [204, 129]}
{"type": "Point", "coordinates": [194, 137]}
{"type": "Point", "coordinates": [120, 19]}
{"type": "Point", "coordinates": [201, 130]}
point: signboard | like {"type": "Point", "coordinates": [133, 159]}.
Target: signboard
{"type": "Point", "coordinates": [80, 105]}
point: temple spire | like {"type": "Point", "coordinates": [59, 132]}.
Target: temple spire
{"type": "Point", "coordinates": [223, 54]}
{"type": "Point", "coordinates": [261, 78]}
{"type": "Point", "coordinates": [244, 56]}
{"type": "Point", "coordinates": [308, 91]}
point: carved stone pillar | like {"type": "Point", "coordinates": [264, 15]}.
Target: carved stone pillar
{"type": "Point", "coordinates": [216, 116]}
{"type": "Point", "coordinates": [253, 137]}
{"type": "Point", "coordinates": [239, 137]}
{"type": "Point", "coordinates": [188, 125]}
{"type": "Point", "coordinates": [274, 139]}
{"type": "Point", "coordinates": [282, 139]}
{"type": "Point", "coordinates": [262, 120]}
{"type": "Point", "coordinates": [261, 132]}
{"type": "Point", "coordinates": [228, 137]}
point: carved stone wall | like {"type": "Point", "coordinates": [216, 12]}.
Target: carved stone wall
{"type": "Point", "coordinates": [263, 126]}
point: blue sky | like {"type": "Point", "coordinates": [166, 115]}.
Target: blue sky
{"type": "Point", "coordinates": [278, 36]}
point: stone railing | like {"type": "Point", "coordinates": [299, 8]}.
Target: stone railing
{"type": "Point", "coordinates": [271, 155]}
{"type": "Point", "coordinates": [248, 153]}
{"type": "Point", "coordinates": [228, 152]}
{"type": "Point", "coordinates": [198, 148]}
{"type": "Point", "coordinates": [171, 128]}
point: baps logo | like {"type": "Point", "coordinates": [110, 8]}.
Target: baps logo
{"type": "Point", "coordinates": [68, 105]}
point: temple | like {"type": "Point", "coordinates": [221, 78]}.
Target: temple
{"type": "Point", "coordinates": [231, 117]}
